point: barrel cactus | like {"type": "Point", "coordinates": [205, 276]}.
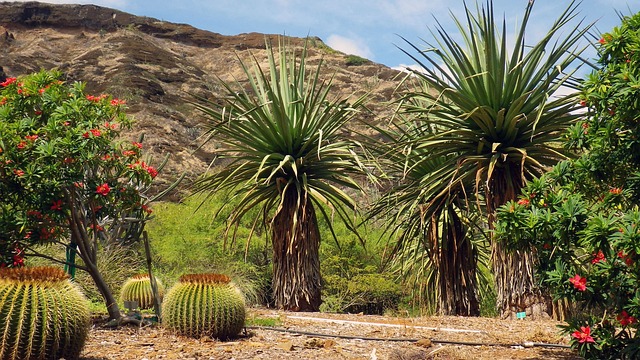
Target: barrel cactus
{"type": "Point", "coordinates": [204, 305]}
{"type": "Point", "coordinates": [42, 314]}
{"type": "Point", "coordinates": [138, 288]}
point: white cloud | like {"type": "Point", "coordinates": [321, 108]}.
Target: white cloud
{"type": "Point", "coordinates": [353, 46]}
{"type": "Point", "coordinates": [406, 68]}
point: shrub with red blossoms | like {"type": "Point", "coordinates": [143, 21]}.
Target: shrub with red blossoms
{"type": "Point", "coordinates": [59, 162]}
{"type": "Point", "coordinates": [592, 217]}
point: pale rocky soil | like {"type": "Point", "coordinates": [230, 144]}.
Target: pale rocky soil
{"type": "Point", "coordinates": [153, 342]}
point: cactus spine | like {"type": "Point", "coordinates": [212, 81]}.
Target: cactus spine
{"type": "Point", "coordinates": [138, 288]}
{"type": "Point", "coordinates": [42, 315]}
{"type": "Point", "coordinates": [204, 305]}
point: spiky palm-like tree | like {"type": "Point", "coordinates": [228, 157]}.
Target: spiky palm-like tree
{"type": "Point", "coordinates": [283, 135]}
{"type": "Point", "coordinates": [433, 252]}
{"type": "Point", "coordinates": [499, 121]}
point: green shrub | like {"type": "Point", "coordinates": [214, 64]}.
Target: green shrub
{"type": "Point", "coordinates": [42, 315]}
{"type": "Point", "coordinates": [204, 305]}
{"type": "Point", "coordinates": [355, 60]}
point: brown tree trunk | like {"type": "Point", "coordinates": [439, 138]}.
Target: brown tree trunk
{"type": "Point", "coordinates": [103, 288]}
{"type": "Point", "coordinates": [513, 270]}
{"type": "Point", "coordinates": [457, 271]}
{"type": "Point", "coordinates": [296, 263]}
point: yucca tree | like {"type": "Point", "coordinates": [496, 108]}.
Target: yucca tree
{"type": "Point", "coordinates": [284, 135]}
{"type": "Point", "coordinates": [492, 100]}
{"type": "Point", "coordinates": [433, 252]}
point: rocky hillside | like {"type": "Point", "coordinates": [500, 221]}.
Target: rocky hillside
{"type": "Point", "coordinates": [156, 66]}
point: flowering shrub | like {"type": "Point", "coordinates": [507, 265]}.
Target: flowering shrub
{"type": "Point", "coordinates": [64, 176]}
{"type": "Point", "coordinates": [583, 217]}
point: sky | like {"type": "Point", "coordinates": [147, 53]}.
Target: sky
{"type": "Point", "coordinates": [372, 29]}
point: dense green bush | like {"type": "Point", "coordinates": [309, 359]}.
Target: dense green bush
{"type": "Point", "coordinates": [352, 281]}
{"type": "Point", "coordinates": [355, 60]}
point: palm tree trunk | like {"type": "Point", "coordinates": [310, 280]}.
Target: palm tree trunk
{"type": "Point", "coordinates": [296, 263]}
{"type": "Point", "coordinates": [457, 271]}
{"type": "Point", "coordinates": [514, 270]}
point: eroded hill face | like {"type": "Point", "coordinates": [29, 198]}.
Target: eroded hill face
{"type": "Point", "coordinates": [157, 67]}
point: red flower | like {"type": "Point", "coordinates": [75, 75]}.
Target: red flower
{"type": "Point", "coordinates": [147, 209]}
{"type": "Point", "coordinates": [625, 319]}
{"type": "Point", "coordinates": [18, 172]}
{"type": "Point", "coordinates": [108, 125]}
{"type": "Point", "coordinates": [103, 189]}
{"type": "Point", "coordinates": [106, 157]}
{"type": "Point", "coordinates": [94, 132]}
{"type": "Point", "coordinates": [583, 335]}
{"type": "Point", "coordinates": [137, 144]}
{"type": "Point", "coordinates": [31, 137]}
{"type": "Point", "coordinates": [583, 103]}
{"type": "Point", "coordinates": [8, 82]}
{"type": "Point", "coordinates": [152, 171]}
{"type": "Point", "coordinates": [116, 102]}
{"type": "Point", "coordinates": [57, 205]}
{"type": "Point", "coordinates": [96, 227]}
{"type": "Point", "coordinates": [598, 257]}
{"type": "Point", "coordinates": [546, 246]}
{"type": "Point", "coordinates": [523, 202]}
{"type": "Point", "coordinates": [21, 145]}
{"type": "Point", "coordinates": [615, 191]}
{"type": "Point", "coordinates": [602, 41]}
{"type": "Point", "coordinates": [128, 153]}
{"type": "Point", "coordinates": [579, 282]}
{"type": "Point", "coordinates": [96, 98]}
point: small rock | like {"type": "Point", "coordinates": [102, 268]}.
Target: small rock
{"type": "Point", "coordinates": [425, 343]}
{"type": "Point", "coordinates": [329, 343]}
{"type": "Point", "coordinates": [314, 343]}
{"type": "Point", "coordinates": [286, 346]}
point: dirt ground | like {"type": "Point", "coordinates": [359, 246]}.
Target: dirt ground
{"type": "Point", "coordinates": [291, 338]}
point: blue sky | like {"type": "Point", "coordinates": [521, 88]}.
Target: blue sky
{"type": "Point", "coordinates": [368, 28]}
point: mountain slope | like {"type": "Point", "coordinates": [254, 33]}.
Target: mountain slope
{"type": "Point", "coordinates": [157, 66]}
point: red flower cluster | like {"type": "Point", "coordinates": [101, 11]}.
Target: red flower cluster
{"type": "Point", "coordinates": [116, 102]}
{"type": "Point", "coordinates": [598, 257]}
{"type": "Point", "coordinates": [18, 172]}
{"type": "Point", "coordinates": [523, 202]}
{"type": "Point", "coordinates": [103, 189]}
{"type": "Point", "coordinates": [57, 205]}
{"type": "Point", "coordinates": [627, 259]}
{"type": "Point", "coordinates": [8, 81]}
{"type": "Point", "coordinates": [94, 132]}
{"type": "Point", "coordinates": [18, 260]}
{"type": "Point", "coordinates": [583, 335]}
{"type": "Point", "coordinates": [625, 319]}
{"type": "Point", "coordinates": [31, 137]}
{"type": "Point", "coordinates": [110, 126]}
{"type": "Point", "coordinates": [579, 282]}
{"type": "Point", "coordinates": [136, 144]}
{"type": "Point", "coordinates": [615, 191]}
{"type": "Point", "coordinates": [96, 98]}
{"type": "Point", "coordinates": [142, 165]}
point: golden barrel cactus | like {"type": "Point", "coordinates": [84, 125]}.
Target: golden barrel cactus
{"type": "Point", "coordinates": [204, 305]}
{"type": "Point", "coordinates": [138, 288]}
{"type": "Point", "coordinates": [43, 315]}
